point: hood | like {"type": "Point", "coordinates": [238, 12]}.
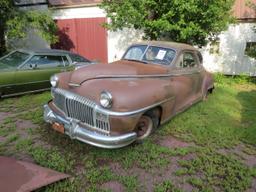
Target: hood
{"type": "Point", "coordinates": [118, 69]}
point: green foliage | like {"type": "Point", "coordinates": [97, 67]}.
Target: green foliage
{"type": "Point", "coordinates": [190, 21]}
{"type": "Point", "coordinates": [52, 158]}
{"type": "Point", "coordinates": [41, 21]}
{"type": "Point", "coordinates": [15, 23]}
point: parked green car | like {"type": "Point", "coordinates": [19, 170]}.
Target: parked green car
{"type": "Point", "coordinates": [24, 71]}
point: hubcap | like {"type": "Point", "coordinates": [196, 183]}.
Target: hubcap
{"type": "Point", "coordinates": [144, 127]}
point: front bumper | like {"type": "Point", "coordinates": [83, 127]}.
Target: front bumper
{"type": "Point", "coordinates": [74, 129]}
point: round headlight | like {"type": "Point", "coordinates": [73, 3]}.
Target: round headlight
{"type": "Point", "coordinates": [106, 99]}
{"type": "Point", "coordinates": [54, 80]}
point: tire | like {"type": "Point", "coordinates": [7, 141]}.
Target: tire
{"type": "Point", "coordinates": [209, 91]}
{"type": "Point", "coordinates": [144, 127]}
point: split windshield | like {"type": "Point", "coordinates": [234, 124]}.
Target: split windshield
{"type": "Point", "coordinates": [13, 60]}
{"type": "Point", "coordinates": [150, 54]}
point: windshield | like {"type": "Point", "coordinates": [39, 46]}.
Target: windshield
{"type": "Point", "coordinates": [150, 54]}
{"type": "Point", "coordinates": [13, 60]}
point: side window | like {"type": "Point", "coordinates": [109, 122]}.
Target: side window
{"type": "Point", "coordinates": [65, 60]}
{"type": "Point", "coordinates": [187, 60]}
{"type": "Point", "coordinates": [46, 61]}
{"type": "Point", "coordinates": [77, 58]}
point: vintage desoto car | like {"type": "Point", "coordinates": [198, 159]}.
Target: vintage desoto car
{"type": "Point", "coordinates": [112, 105]}
{"type": "Point", "coordinates": [24, 71]}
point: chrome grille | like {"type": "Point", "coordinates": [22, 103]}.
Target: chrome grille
{"type": "Point", "coordinates": [82, 109]}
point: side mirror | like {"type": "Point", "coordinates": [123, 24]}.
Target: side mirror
{"type": "Point", "coordinates": [33, 66]}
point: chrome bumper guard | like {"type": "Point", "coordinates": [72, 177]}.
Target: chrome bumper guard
{"type": "Point", "coordinates": [76, 131]}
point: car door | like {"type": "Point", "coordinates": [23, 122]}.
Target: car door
{"type": "Point", "coordinates": [186, 80]}
{"type": "Point", "coordinates": [35, 74]}
{"type": "Point", "coordinates": [6, 81]}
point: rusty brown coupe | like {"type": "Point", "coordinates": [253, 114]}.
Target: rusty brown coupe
{"type": "Point", "coordinates": [112, 105]}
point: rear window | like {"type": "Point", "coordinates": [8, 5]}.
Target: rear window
{"type": "Point", "coordinates": [78, 58]}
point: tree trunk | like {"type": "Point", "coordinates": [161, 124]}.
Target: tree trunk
{"type": "Point", "coordinates": [2, 39]}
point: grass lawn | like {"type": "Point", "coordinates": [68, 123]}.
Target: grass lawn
{"type": "Point", "coordinates": [210, 147]}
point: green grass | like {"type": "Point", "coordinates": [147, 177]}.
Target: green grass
{"type": "Point", "coordinates": [225, 120]}
{"type": "Point", "coordinates": [166, 186]}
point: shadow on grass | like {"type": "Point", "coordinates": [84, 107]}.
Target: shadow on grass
{"type": "Point", "coordinates": [248, 115]}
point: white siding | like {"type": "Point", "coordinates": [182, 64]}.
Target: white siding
{"type": "Point", "coordinates": [79, 12]}
{"type": "Point", "coordinates": [231, 58]}
{"type": "Point", "coordinates": [119, 41]}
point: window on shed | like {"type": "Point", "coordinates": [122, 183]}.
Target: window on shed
{"type": "Point", "coordinates": [215, 47]}
{"type": "Point", "coordinates": [250, 49]}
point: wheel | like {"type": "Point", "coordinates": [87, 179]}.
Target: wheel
{"type": "Point", "coordinates": [144, 127]}
{"type": "Point", "coordinates": [209, 91]}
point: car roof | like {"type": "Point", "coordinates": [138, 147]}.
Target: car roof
{"type": "Point", "coordinates": [167, 44]}
{"type": "Point", "coordinates": [46, 51]}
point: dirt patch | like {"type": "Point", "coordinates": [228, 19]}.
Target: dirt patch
{"type": "Point", "coordinates": [4, 115]}
{"type": "Point", "coordinates": [238, 151]}
{"type": "Point", "coordinates": [23, 157]}
{"type": "Point", "coordinates": [113, 186]}
{"type": "Point", "coordinates": [118, 169]}
{"type": "Point", "coordinates": [172, 142]}
{"type": "Point", "coordinates": [24, 124]}
{"type": "Point", "coordinates": [2, 139]}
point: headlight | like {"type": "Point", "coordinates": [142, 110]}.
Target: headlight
{"type": "Point", "coordinates": [106, 99]}
{"type": "Point", "coordinates": [54, 80]}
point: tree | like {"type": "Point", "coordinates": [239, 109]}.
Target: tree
{"type": "Point", "coordinates": [189, 21]}
{"type": "Point", "coordinates": [15, 23]}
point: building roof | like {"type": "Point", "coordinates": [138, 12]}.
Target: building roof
{"type": "Point", "coordinates": [59, 3]}
{"type": "Point", "coordinates": [242, 11]}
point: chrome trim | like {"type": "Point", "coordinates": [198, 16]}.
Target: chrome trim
{"type": "Point", "coordinates": [74, 85]}
{"type": "Point", "coordinates": [108, 112]}
{"type": "Point", "coordinates": [82, 109]}
{"type": "Point", "coordinates": [129, 113]}
{"type": "Point", "coordinates": [76, 131]}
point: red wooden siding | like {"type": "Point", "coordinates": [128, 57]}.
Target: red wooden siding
{"type": "Point", "coordinates": [85, 36]}
{"type": "Point", "coordinates": [243, 11]}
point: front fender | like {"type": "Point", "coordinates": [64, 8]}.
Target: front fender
{"type": "Point", "coordinates": [128, 94]}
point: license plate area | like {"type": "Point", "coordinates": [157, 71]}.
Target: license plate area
{"type": "Point", "coordinates": [58, 127]}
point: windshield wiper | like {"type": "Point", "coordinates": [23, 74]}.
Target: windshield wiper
{"type": "Point", "coordinates": [136, 60]}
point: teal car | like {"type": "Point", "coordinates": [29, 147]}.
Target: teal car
{"type": "Point", "coordinates": [23, 71]}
